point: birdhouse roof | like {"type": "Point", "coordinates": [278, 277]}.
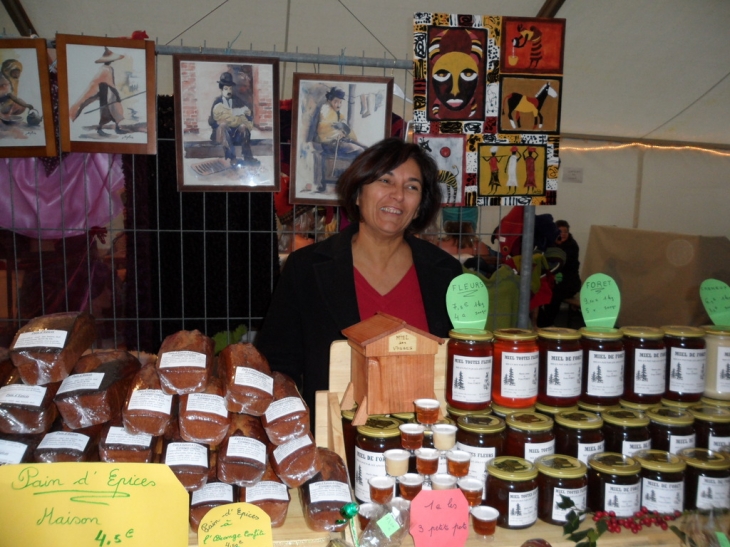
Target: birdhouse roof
{"type": "Point", "coordinates": [380, 325]}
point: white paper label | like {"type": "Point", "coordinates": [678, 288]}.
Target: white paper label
{"type": "Point", "coordinates": [678, 442]}
{"type": "Point", "coordinates": [329, 491]}
{"type": "Point", "coordinates": [605, 373]}
{"type": "Point", "coordinates": [586, 450]}
{"type": "Point", "coordinates": [578, 495]}
{"type": "Point", "coordinates": [629, 447]}
{"type": "Point", "coordinates": [186, 454]}
{"type": "Point", "coordinates": [367, 465]}
{"type": "Point", "coordinates": [76, 382]}
{"type": "Point", "coordinates": [478, 463]}
{"type": "Point", "coordinates": [687, 370]}
{"type": "Point", "coordinates": [246, 447]}
{"type": "Point", "coordinates": [41, 339]}
{"type": "Point", "coordinates": [174, 359]}
{"type": "Point", "coordinates": [519, 374]}
{"type": "Point", "coordinates": [535, 450]}
{"type": "Point", "coordinates": [472, 379]}
{"type": "Point", "coordinates": [20, 394]}
{"type": "Point", "coordinates": [522, 508]}
{"type": "Point", "coordinates": [285, 450]}
{"type": "Point", "coordinates": [11, 452]}
{"type": "Point", "coordinates": [267, 490]}
{"type": "Point", "coordinates": [283, 407]}
{"type": "Point", "coordinates": [64, 440]}
{"type": "Point", "coordinates": [665, 497]}
{"type": "Point", "coordinates": [717, 443]}
{"type": "Point", "coordinates": [253, 378]}
{"type": "Point", "coordinates": [650, 368]}
{"type": "Point", "coordinates": [213, 492]}
{"type": "Point", "coordinates": [207, 402]}
{"type": "Point", "coordinates": [564, 373]}
{"type": "Point", "coordinates": [118, 435]}
{"type": "Point", "coordinates": [723, 369]}
{"type": "Point", "coordinates": [713, 492]}
{"type": "Point", "coordinates": [150, 399]}
{"type": "Point", "coordinates": [625, 500]}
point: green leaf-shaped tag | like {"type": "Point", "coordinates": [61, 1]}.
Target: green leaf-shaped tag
{"type": "Point", "coordinates": [600, 301]}
{"type": "Point", "coordinates": [715, 295]}
{"type": "Point", "coordinates": [467, 301]}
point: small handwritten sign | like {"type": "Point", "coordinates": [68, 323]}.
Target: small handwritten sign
{"type": "Point", "coordinates": [467, 301]}
{"type": "Point", "coordinates": [403, 342]}
{"type": "Point", "coordinates": [235, 525]}
{"type": "Point", "coordinates": [600, 301]}
{"type": "Point", "coordinates": [439, 517]}
{"type": "Point", "coordinates": [92, 505]}
{"type": "Point", "coordinates": [715, 295]}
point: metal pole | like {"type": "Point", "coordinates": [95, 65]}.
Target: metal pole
{"type": "Point", "coordinates": [528, 244]}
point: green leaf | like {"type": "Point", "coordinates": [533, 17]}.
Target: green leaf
{"type": "Point", "coordinates": [578, 536]}
{"type": "Point", "coordinates": [601, 527]}
{"type": "Point", "coordinates": [225, 338]}
{"type": "Point", "coordinates": [565, 502]}
{"type": "Point", "coordinates": [586, 544]}
{"type": "Point", "coordinates": [572, 523]}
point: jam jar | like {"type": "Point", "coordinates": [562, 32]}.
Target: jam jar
{"type": "Point", "coordinates": [712, 426]}
{"type": "Point", "coordinates": [482, 435]}
{"type": "Point", "coordinates": [380, 433]}
{"type": "Point", "coordinates": [626, 431]}
{"type": "Point", "coordinates": [578, 434]}
{"type": "Point", "coordinates": [717, 379]}
{"type": "Point", "coordinates": [469, 369]}
{"type": "Point", "coordinates": [529, 435]}
{"type": "Point", "coordinates": [603, 366]}
{"type": "Point", "coordinates": [503, 411]}
{"type": "Point", "coordinates": [512, 490]}
{"type": "Point", "coordinates": [671, 429]}
{"type": "Point", "coordinates": [706, 479]}
{"type": "Point", "coordinates": [614, 484]}
{"type": "Point", "coordinates": [686, 363]}
{"type": "Point", "coordinates": [561, 366]}
{"type": "Point", "coordinates": [560, 475]}
{"type": "Point", "coordinates": [646, 365]}
{"type": "Point", "coordinates": [552, 411]}
{"type": "Point", "coordinates": [662, 480]}
{"type": "Point", "coordinates": [516, 360]}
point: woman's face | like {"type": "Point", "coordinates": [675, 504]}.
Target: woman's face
{"type": "Point", "coordinates": [389, 204]}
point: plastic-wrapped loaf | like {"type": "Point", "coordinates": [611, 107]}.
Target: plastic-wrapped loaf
{"type": "Point", "coordinates": [16, 449]}
{"type": "Point", "coordinates": [189, 461]}
{"type": "Point", "coordinates": [204, 417]}
{"type": "Point", "coordinates": [185, 361]}
{"type": "Point", "coordinates": [209, 496]}
{"type": "Point", "coordinates": [324, 494]}
{"type": "Point", "coordinates": [271, 495]}
{"type": "Point", "coordinates": [117, 445]}
{"type": "Point", "coordinates": [27, 410]}
{"type": "Point", "coordinates": [47, 348]}
{"type": "Point", "coordinates": [288, 415]}
{"type": "Point", "coordinates": [6, 366]}
{"type": "Point", "coordinates": [249, 384]}
{"type": "Point", "coordinates": [242, 456]}
{"type": "Point", "coordinates": [69, 446]}
{"type": "Point", "coordinates": [147, 408]}
{"type": "Point", "coordinates": [297, 461]}
{"type": "Point", "coordinates": [95, 391]}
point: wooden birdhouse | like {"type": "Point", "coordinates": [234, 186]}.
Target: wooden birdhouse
{"type": "Point", "coordinates": [392, 365]}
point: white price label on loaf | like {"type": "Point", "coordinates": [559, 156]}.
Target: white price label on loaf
{"type": "Point", "coordinates": [213, 492]}
{"type": "Point", "coordinates": [253, 378]}
{"type": "Point", "coordinates": [20, 394]}
{"type": "Point", "coordinates": [76, 382]}
{"type": "Point", "coordinates": [206, 402]}
{"type": "Point", "coordinates": [267, 490]}
{"type": "Point", "coordinates": [64, 440]}
{"type": "Point", "coordinates": [186, 454]}
{"type": "Point", "coordinates": [246, 447]}
{"type": "Point", "coordinates": [41, 339]}
{"type": "Point", "coordinates": [150, 399]}
{"type": "Point", "coordinates": [287, 449]}
{"type": "Point", "coordinates": [11, 452]}
{"type": "Point", "coordinates": [284, 407]}
{"type": "Point", "coordinates": [175, 359]}
{"type": "Point", "coordinates": [118, 435]}
{"type": "Point", "coordinates": [329, 491]}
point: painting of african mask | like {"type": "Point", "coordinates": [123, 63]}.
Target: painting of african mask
{"type": "Point", "coordinates": [456, 73]}
{"type": "Point", "coordinates": [532, 46]}
{"type": "Point", "coordinates": [530, 104]}
{"type": "Point", "coordinates": [512, 170]}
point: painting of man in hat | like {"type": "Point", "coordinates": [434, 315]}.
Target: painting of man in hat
{"type": "Point", "coordinates": [231, 122]}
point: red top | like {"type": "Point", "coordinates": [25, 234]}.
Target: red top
{"type": "Point", "coordinates": [404, 301]}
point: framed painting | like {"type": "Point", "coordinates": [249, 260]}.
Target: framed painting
{"type": "Point", "coordinates": [532, 46]}
{"type": "Point", "coordinates": [530, 104]}
{"type": "Point", "coordinates": [226, 123]}
{"type": "Point", "coordinates": [448, 151]}
{"type": "Point", "coordinates": [106, 94]}
{"type": "Point", "coordinates": [26, 128]}
{"type": "Point", "coordinates": [508, 170]}
{"type": "Point", "coordinates": [334, 118]}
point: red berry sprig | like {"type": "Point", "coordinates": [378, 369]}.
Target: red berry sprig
{"type": "Point", "coordinates": [639, 520]}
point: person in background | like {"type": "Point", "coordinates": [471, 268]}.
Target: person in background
{"type": "Point", "coordinates": [376, 264]}
{"type": "Point", "coordinates": [567, 282]}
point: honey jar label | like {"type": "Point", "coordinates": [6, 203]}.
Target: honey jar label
{"type": "Point", "coordinates": [713, 492]}
{"type": "Point", "coordinates": [605, 373]}
{"type": "Point", "coordinates": [522, 508]}
{"type": "Point", "coordinates": [564, 373]}
{"type": "Point", "coordinates": [678, 442]}
{"type": "Point", "coordinates": [649, 371]}
{"type": "Point", "coordinates": [367, 465]}
{"type": "Point", "coordinates": [665, 497]}
{"type": "Point", "coordinates": [472, 379]}
{"type": "Point", "coordinates": [723, 369]}
{"type": "Point", "coordinates": [586, 450]}
{"type": "Point", "coordinates": [535, 450]}
{"type": "Point", "coordinates": [11, 452]}
{"type": "Point", "coordinates": [578, 495]}
{"type": "Point", "coordinates": [520, 374]}
{"type": "Point", "coordinates": [717, 443]}
{"type": "Point", "coordinates": [629, 447]}
{"type": "Point", "coordinates": [687, 370]}
{"type": "Point", "coordinates": [625, 500]}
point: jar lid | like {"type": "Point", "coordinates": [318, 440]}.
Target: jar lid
{"type": "Point", "coordinates": [481, 423]}
{"type": "Point", "coordinates": [601, 333]}
{"type": "Point", "coordinates": [349, 414]}
{"type": "Point", "coordinates": [596, 409]}
{"type": "Point", "coordinates": [457, 413]}
{"type": "Point", "coordinates": [649, 333]}
{"type": "Point", "coordinates": [511, 468]}
{"type": "Point", "coordinates": [405, 417]}
{"type": "Point", "coordinates": [506, 411]}
{"type": "Point", "coordinates": [579, 419]}
{"type": "Point", "coordinates": [561, 466]}
{"type": "Point", "coordinates": [614, 464]}
{"type": "Point", "coordinates": [670, 416]}
{"type": "Point", "coordinates": [659, 460]}
{"type": "Point", "coordinates": [380, 426]}
{"type": "Point", "coordinates": [708, 413]}
{"type": "Point", "coordinates": [529, 421]}
{"type": "Point", "coordinates": [553, 410]}
{"type": "Point", "coordinates": [625, 417]}
{"type": "Point", "coordinates": [716, 330]}
{"type": "Point", "coordinates": [515, 334]}
{"type": "Point", "coordinates": [704, 459]}
{"type": "Point", "coordinates": [678, 404]}
{"type": "Point", "coordinates": [558, 333]}
{"type": "Point", "coordinates": [715, 402]}
{"type": "Point", "coordinates": [680, 331]}
{"type": "Point", "coordinates": [477, 335]}
{"type": "Point", "coordinates": [642, 407]}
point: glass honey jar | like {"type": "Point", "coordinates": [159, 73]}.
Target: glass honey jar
{"type": "Point", "coordinates": [625, 431]}
{"type": "Point", "coordinates": [645, 365]}
{"type": "Point", "coordinates": [706, 479]}
{"type": "Point", "coordinates": [662, 481]}
{"type": "Point", "coordinates": [561, 366]}
{"type": "Point", "coordinates": [603, 366]}
{"type": "Point", "coordinates": [686, 363]}
{"type": "Point", "coordinates": [614, 484]}
{"type": "Point", "coordinates": [512, 490]}
{"type": "Point", "coordinates": [516, 364]}
{"type": "Point", "coordinates": [671, 429]}
{"type": "Point", "coordinates": [578, 434]}
{"type": "Point", "coordinates": [560, 475]}
{"type": "Point", "coordinates": [529, 435]}
{"type": "Point", "coordinates": [469, 369]}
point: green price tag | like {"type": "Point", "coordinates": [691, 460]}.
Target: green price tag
{"type": "Point", "coordinates": [388, 525]}
{"type": "Point", "coordinates": [715, 295]}
{"type": "Point", "coordinates": [600, 301]}
{"type": "Point", "coordinates": [467, 301]}
{"type": "Point", "coordinates": [722, 538]}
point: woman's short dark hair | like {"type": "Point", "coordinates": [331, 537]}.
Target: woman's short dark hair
{"type": "Point", "coordinates": [562, 224]}
{"type": "Point", "coordinates": [380, 158]}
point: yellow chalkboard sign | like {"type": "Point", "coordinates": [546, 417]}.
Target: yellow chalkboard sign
{"type": "Point", "coordinates": [92, 505]}
{"type": "Point", "coordinates": [235, 525]}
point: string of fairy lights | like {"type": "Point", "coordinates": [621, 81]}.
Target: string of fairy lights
{"type": "Point", "coordinates": [645, 147]}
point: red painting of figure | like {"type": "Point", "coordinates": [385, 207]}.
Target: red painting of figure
{"type": "Point", "coordinates": [456, 73]}
{"type": "Point", "coordinates": [532, 46]}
